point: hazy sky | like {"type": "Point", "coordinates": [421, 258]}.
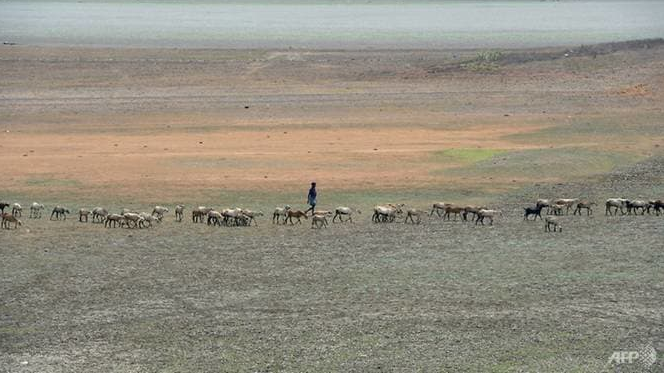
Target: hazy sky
{"type": "Point", "coordinates": [329, 23]}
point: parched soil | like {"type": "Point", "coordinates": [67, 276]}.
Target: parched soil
{"type": "Point", "coordinates": [104, 121]}
{"type": "Point", "coordinates": [439, 296]}
{"type": "Point", "coordinates": [135, 128]}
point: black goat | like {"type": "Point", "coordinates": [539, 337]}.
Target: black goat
{"type": "Point", "coordinates": [537, 211]}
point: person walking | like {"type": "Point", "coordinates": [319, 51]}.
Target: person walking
{"type": "Point", "coordinates": [311, 198]}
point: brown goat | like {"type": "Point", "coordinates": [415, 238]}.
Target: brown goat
{"type": "Point", "coordinates": [588, 206]}
{"type": "Point", "coordinates": [9, 218]}
{"type": "Point", "coordinates": [456, 210]}
{"type": "Point", "coordinates": [290, 214]}
{"type": "Point", "coordinates": [472, 210]}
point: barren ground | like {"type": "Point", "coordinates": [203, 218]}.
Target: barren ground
{"type": "Point", "coordinates": [133, 128]}
{"type": "Point", "coordinates": [183, 122]}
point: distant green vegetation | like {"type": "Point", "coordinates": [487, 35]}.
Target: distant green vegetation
{"type": "Point", "coordinates": [48, 182]}
{"type": "Point", "coordinates": [485, 61]}
{"type": "Point", "coordinates": [558, 163]}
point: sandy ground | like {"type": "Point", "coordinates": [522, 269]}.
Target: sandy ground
{"type": "Point", "coordinates": [108, 120]}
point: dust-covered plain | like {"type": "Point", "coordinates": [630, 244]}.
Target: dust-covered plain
{"type": "Point", "coordinates": [135, 128]}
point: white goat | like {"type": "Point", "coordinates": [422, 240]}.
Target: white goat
{"type": "Point", "coordinates": [387, 213]}
{"type": "Point", "coordinates": [132, 217]}
{"type": "Point", "coordinates": [159, 212]}
{"type": "Point", "coordinates": [342, 211]}
{"type": "Point", "coordinates": [414, 215]}
{"type": "Point", "coordinates": [319, 220]}
{"type": "Point", "coordinates": [252, 215]}
{"type": "Point", "coordinates": [280, 212]}
{"type": "Point", "coordinates": [36, 210]}
{"type": "Point", "coordinates": [490, 214]}
{"type": "Point", "coordinates": [635, 205]}
{"type": "Point", "coordinates": [214, 218]}
{"type": "Point", "coordinates": [615, 203]}
{"type": "Point", "coordinates": [147, 220]}
{"type": "Point", "coordinates": [231, 215]}
{"type": "Point", "coordinates": [17, 209]}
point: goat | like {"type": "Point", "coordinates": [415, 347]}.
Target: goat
{"type": "Point", "coordinates": [114, 219]}
{"type": "Point", "coordinates": [417, 214]}
{"type": "Point", "coordinates": [242, 220]}
{"type": "Point", "coordinates": [556, 209]}
{"type": "Point", "coordinates": [280, 212]}
{"type": "Point", "coordinates": [83, 214]}
{"type": "Point", "coordinates": [437, 207]}
{"type": "Point", "coordinates": [17, 209]}
{"type": "Point", "coordinates": [251, 216]}
{"type": "Point", "coordinates": [452, 209]}
{"type": "Point", "coordinates": [387, 213]}
{"type": "Point", "coordinates": [615, 203]}
{"type": "Point", "coordinates": [568, 203]}
{"type": "Point", "coordinates": [342, 211]}
{"type": "Point", "coordinates": [59, 211]}
{"type": "Point", "coordinates": [398, 207]}
{"type": "Point", "coordinates": [214, 218]}
{"type": "Point", "coordinates": [552, 221]}
{"type": "Point", "coordinates": [290, 214]}
{"type": "Point", "coordinates": [199, 213]}
{"type": "Point", "coordinates": [537, 211]}
{"type": "Point", "coordinates": [159, 212]}
{"type": "Point", "coordinates": [9, 218]}
{"type": "Point", "coordinates": [543, 203]}
{"type": "Point", "coordinates": [147, 220]}
{"type": "Point", "coordinates": [635, 205]}
{"type": "Point", "coordinates": [319, 220]}
{"type": "Point", "coordinates": [36, 210]}
{"type": "Point", "coordinates": [132, 217]}
{"type": "Point", "coordinates": [471, 210]}
{"type": "Point", "coordinates": [484, 213]}
{"type": "Point", "coordinates": [656, 205]}
{"type": "Point", "coordinates": [231, 216]}
{"type": "Point", "coordinates": [179, 213]}
{"type": "Point", "coordinates": [99, 214]}
{"type": "Point", "coordinates": [588, 206]}
{"type": "Point", "coordinates": [3, 205]}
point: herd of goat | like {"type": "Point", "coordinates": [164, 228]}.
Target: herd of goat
{"type": "Point", "coordinates": [319, 219]}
